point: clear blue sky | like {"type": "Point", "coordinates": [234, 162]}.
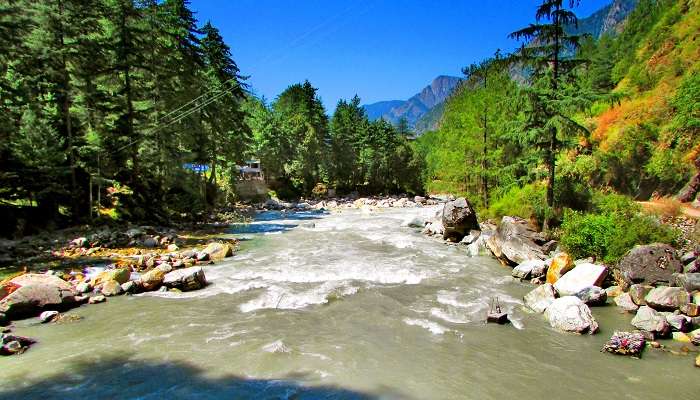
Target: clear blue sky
{"type": "Point", "coordinates": [378, 49]}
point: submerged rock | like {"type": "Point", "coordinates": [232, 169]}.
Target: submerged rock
{"type": "Point", "coordinates": [186, 279]}
{"type": "Point", "coordinates": [541, 297]}
{"type": "Point", "coordinates": [458, 218]}
{"type": "Point", "coordinates": [647, 319]}
{"type": "Point", "coordinates": [651, 264]}
{"type": "Point", "coordinates": [579, 278]}
{"type": "Point", "coordinates": [13, 344]}
{"type": "Point", "coordinates": [570, 314]}
{"type": "Point", "coordinates": [97, 299]}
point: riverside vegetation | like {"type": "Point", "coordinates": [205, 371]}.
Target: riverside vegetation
{"type": "Point", "coordinates": [101, 99]}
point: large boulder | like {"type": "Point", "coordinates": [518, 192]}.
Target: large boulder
{"type": "Point", "coordinates": [649, 320]}
{"type": "Point", "coordinates": [667, 298]}
{"type": "Point", "coordinates": [560, 265]}
{"type": "Point", "coordinates": [218, 251]}
{"type": "Point", "coordinates": [31, 299]}
{"type": "Point", "coordinates": [652, 264]}
{"type": "Point", "coordinates": [530, 269]}
{"type": "Point", "coordinates": [186, 279]}
{"type": "Point", "coordinates": [516, 241]}
{"type": "Point", "coordinates": [570, 314]}
{"type": "Point", "coordinates": [458, 218]}
{"type": "Point", "coordinates": [46, 279]}
{"type": "Point", "coordinates": [581, 277]}
{"type": "Point", "coordinates": [540, 298]}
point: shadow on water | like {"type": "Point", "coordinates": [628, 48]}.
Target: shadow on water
{"type": "Point", "coordinates": [270, 222]}
{"type": "Point", "coordinates": [122, 378]}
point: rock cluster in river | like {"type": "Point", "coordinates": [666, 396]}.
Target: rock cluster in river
{"type": "Point", "coordinates": [657, 284]}
{"type": "Point", "coordinates": [44, 295]}
{"type": "Point", "coordinates": [350, 202]}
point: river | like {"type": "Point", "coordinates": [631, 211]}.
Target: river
{"type": "Point", "coordinates": [345, 305]}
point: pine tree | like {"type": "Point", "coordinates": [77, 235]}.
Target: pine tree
{"type": "Point", "coordinates": [347, 128]}
{"type": "Point", "coordinates": [547, 49]}
{"type": "Point", "coordinates": [223, 119]}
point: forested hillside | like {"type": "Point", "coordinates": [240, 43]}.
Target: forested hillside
{"type": "Point", "coordinates": [116, 94]}
{"type": "Point", "coordinates": [632, 101]}
{"type": "Point", "coordinates": [139, 107]}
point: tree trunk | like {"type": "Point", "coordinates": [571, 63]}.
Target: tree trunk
{"type": "Point", "coordinates": [65, 110]}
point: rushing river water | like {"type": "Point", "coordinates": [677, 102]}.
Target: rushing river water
{"type": "Point", "coordinates": [335, 306]}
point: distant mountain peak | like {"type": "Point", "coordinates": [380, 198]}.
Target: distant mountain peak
{"type": "Point", "coordinates": [606, 20]}
{"type": "Point", "coordinates": [414, 108]}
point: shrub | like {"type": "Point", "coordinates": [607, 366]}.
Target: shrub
{"type": "Point", "coordinates": [615, 204]}
{"type": "Point", "coordinates": [587, 235]}
{"type": "Point", "coordinates": [610, 234]}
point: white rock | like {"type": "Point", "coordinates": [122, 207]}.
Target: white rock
{"type": "Point", "coordinates": [529, 269]}
{"type": "Point", "coordinates": [48, 316]}
{"type": "Point", "coordinates": [540, 298]}
{"type": "Point", "coordinates": [582, 276]}
{"type": "Point", "coordinates": [570, 314]}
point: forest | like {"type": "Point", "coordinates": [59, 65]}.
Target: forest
{"type": "Point", "coordinates": [137, 106]}
{"type": "Point", "coordinates": [570, 129]}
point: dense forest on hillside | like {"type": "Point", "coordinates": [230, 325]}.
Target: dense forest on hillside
{"type": "Point", "coordinates": [136, 105]}
{"type": "Point", "coordinates": [632, 101]}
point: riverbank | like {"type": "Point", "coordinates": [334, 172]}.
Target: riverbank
{"type": "Point", "coordinates": [351, 301]}
{"type": "Point", "coordinates": [85, 265]}
{"type": "Point", "coordinates": [658, 284]}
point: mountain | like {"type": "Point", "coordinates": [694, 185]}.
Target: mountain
{"type": "Point", "coordinates": [376, 110]}
{"type": "Point", "coordinates": [430, 120]}
{"type": "Point", "coordinates": [417, 106]}
{"type": "Point", "coordinates": [606, 20]}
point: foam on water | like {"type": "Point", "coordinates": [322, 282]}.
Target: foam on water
{"type": "Point", "coordinates": [433, 327]}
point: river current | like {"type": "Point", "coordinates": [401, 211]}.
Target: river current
{"type": "Point", "coordinates": [344, 305]}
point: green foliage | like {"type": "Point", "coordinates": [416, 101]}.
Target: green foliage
{"type": "Point", "coordinates": [613, 228]}
{"type": "Point", "coordinates": [110, 88]}
{"type": "Point", "coordinates": [529, 202]}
